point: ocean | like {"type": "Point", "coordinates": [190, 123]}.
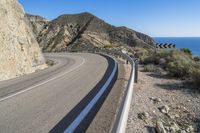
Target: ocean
{"type": "Point", "coordinates": [192, 43]}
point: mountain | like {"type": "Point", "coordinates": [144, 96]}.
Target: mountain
{"type": "Point", "coordinates": [19, 51]}
{"type": "Point", "coordinates": [86, 31]}
{"type": "Point", "coordinates": [37, 23]}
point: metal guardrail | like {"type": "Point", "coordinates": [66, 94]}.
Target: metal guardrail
{"type": "Point", "coordinates": [122, 116]}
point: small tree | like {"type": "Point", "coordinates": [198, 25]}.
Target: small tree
{"type": "Point", "coordinates": [186, 50]}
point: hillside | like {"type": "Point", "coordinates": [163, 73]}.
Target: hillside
{"type": "Point", "coordinates": [86, 30]}
{"type": "Point", "coordinates": [19, 51]}
{"type": "Point", "coordinates": [37, 23]}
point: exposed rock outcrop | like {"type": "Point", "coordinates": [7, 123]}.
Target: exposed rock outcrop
{"type": "Point", "coordinates": [19, 51]}
{"type": "Point", "coordinates": [37, 23]}
{"type": "Point", "coordinates": [85, 30]}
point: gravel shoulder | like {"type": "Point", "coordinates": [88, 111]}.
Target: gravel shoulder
{"type": "Point", "coordinates": [159, 99]}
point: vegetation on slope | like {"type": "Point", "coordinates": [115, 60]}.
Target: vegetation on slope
{"type": "Point", "coordinates": [72, 31]}
{"type": "Point", "coordinates": [177, 63]}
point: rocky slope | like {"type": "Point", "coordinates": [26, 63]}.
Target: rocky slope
{"type": "Point", "coordinates": [162, 104]}
{"type": "Point", "coordinates": [19, 51]}
{"type": "Point", "coordinates": [85, 30]}
{"type": "Point", "coordinates": [37, 23]}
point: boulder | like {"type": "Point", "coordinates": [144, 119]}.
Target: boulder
{"type": "Point", "coordinates": [164, 109]}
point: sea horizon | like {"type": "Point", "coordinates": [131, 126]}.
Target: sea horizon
{"type": "Point", "coordinates": [192, 43]}
{"type": "Point", "coordinates": [176, 37]}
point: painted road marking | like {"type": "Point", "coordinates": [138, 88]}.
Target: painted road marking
{"type": "Point", "coordinates": [32, 87]}
{"type": "Point", "coordinates": [86, 110]}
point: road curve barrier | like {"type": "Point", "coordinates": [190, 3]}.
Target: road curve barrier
{"type": "Point", "coordinates": [120, 123]}
{"type": "Point", "coordinates": [122, 116]}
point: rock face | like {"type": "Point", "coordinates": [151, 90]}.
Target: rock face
{"type": "Point", "coordinates": [19, 51]}
{"type": "Point", "coordinates": [85, 30]}
{"type": "Point", "coordinates": [37, 23]}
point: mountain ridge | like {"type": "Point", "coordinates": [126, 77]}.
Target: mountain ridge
{"type": "Point", "coordinates": [82, 30]}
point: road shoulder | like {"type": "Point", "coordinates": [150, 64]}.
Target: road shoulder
{"type": "Point", "coordinates": [104, 119]}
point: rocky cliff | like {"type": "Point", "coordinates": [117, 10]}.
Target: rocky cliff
{"type": "Point", "coordinates": [19, 51]}
{"type": "Point", "coordinates": [37, 23]}
{"type": "Point", "coordinates": [86, 30]}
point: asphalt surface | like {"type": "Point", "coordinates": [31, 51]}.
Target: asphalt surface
{"type": "Point", "coordinates": [104, 120]}
{"type": "Point", "coordinates": [48, 100]}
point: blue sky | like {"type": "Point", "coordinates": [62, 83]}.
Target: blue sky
{"type": "Point", "coordinates": [154, 17]}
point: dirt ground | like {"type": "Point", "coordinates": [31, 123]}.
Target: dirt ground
{"type": "Point", "coordinates": [163, 103]}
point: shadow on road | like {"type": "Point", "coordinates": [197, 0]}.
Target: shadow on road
{"type": "Point", "coordinates": [68, 119]}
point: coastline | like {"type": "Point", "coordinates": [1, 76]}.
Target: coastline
{"type": "Point", "coordinates": [192, 43]}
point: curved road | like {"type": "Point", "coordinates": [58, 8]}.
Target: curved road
{"type": "Point", "coordinates": [48, 100]}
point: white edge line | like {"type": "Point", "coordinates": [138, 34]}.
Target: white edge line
{"type": "Point", "coordinates": [32, 87]}
{"type": "Point", "coordinates": [86, 110]}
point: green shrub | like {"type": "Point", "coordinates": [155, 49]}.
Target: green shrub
{"type": "Point", "coordinates": [50, 62]}
{"type": "Point", "coordinates": [186, 51]}
{"type": "Point", "coordinates": [196, 59]}
{"type": "Point", "coordinates": [178, 68]}
{"type": "Point", "coordinates": [195, 75]}
{"type": "Point", "coordinates": [148, 60]}
{"type": "Point", "coordinates": [179, 64]}
{"type": "Point", "coordinates": [149, 68]}
{"type": "Point", "coordinates": [108, 46]}
{"type": "Point", "coordinates": [141, 53]}
{"type": "Point", "coordinates": [176, 63]}
{"type": "Point", "coordinates": [154, 58]}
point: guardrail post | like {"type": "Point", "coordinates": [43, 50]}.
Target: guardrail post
{"type": "Point", "coordinates": [136, 71]}
{"type": "Point", "coordinates": [126, 61]}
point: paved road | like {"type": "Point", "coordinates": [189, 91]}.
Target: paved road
{"type": "Point", "coordinates": [46, 100]}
